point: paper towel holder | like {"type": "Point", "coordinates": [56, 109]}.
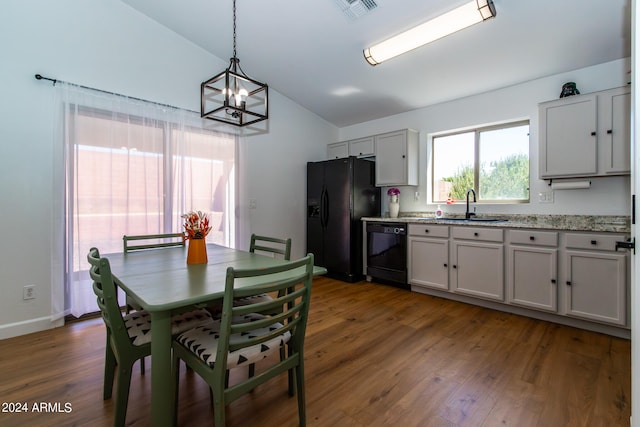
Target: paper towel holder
{"type": "Point", "coordinates": [570, 185]}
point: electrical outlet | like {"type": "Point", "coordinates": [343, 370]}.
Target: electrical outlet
{"type": "Point", "coordinates": [545, 197]}
{"type": "Point", "coordinates": [29, 292]}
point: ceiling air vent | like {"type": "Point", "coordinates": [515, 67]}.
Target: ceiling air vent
{"type": "Point", "coordinates": [354, 9]}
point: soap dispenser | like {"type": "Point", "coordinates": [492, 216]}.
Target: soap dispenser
{"type": "Point", "coordinates": [439, 212]}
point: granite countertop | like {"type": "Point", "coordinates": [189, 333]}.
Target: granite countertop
{"type": "Point", "coordinates": [602, 223]}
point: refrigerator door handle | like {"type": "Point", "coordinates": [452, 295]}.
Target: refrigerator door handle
{"type": "Point", "coordinates": [322, 208]}
{"type": "Point", "coordinates": [324, 219]}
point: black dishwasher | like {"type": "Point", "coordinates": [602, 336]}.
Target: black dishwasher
{"type": "Point", "coordinates": [387, 253]}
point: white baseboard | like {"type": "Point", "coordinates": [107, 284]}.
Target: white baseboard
{"type": "Point", "coordinates": [29, 326]}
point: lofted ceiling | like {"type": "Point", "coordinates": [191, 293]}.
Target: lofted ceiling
{"type": "Point", "coordinates": [311, 52]}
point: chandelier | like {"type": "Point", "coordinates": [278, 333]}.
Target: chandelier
{"type": "Point", "coordinates": [232, 97]}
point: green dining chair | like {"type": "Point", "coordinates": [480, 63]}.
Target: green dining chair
{"type": "Point", "coordinates": [152, 241]}
{"type": "Point", "coordinates": [129, 336]}
{"type": "Point", "coordinates": [149, 241]}
{"type": "Point", "coordinates": [243, 336]}
{"type": "Point", "coordinates": [144, 242]}
{"type": "Point", "coordinates": [271, 246]}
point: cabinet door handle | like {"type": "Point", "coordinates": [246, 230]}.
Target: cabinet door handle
{"type": "Point", "coordinates": [568, 283]}
{"type": "Point", "coordinates": [593, 134]}
{"type": "Point", "coordinates": [403, 156]}
{"type": "Point", "coordinates": [553, 281]}
{"type": "Point", "coordinates": [445, 265]}
{"type": "Point", "coordinates": [532, 238]}
{"type": "Point", "coordinates": [594, 242]}
{"type": "Point", "coordinates": [426, 230]}
{"type": "Point", "coordinates": [475, 234]}
{"type": "Point", "coordinates": [610, 131]}
{"type": "Point", "coordinates": [455, 266]}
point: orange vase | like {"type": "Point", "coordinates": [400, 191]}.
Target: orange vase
{"type": "Point", "coordinates": [197, 251]}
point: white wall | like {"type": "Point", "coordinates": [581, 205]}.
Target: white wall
{"type": "Point", "coordinates": [607, 196]}
{"type": "Point", "coordinates": [108, 45]}
{"type": "Point", "coordinates": [278, 182]}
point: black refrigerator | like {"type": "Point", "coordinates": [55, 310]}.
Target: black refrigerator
{"type": "Point", "coordinates": [339, 193]}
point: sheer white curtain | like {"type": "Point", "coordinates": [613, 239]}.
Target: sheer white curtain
{"type": "Point", "coordinates": [127, 166]}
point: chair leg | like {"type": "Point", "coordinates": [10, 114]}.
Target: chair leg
{"type": "Point", "coordinates": [218, 410]}
{"type": "Point", "coordinates": [252, 370]}
{"type": "Point", "coordinates": [176, 387]}
{"type": "Point", "coordinates": [299, 374]}
{"type": "Point", "coordinates": [142, 366]}
{"type": "Point", "coordinates": [290, 373]}
{"type": "Point", "coordinates": [122, 396]}
{"type": "Point", "coordinates": [109, 370]}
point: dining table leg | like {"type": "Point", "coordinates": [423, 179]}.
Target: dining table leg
{"type": "Point", "coordinates": [162, 402]}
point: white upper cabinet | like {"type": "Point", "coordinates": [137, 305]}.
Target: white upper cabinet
{"type": "Point", "coordinates": [615, 128]}
{"type": "Point", "coordinates": [363, 147]}
{"type": "Point", "coordinates": [337, 150]}
{"type": "Point", "coordinates": [396, 155]}
{"type": "Point", "coordinates": [397, 158]}
{"type": "Point", "coordinates": [568, 137]}
{"type": "Point", "coordinates": [585, 135]}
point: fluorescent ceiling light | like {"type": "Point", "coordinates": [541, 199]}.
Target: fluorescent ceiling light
{"type": "Point", "coordinates": [466, 15]}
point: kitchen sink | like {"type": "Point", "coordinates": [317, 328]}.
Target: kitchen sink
{"type": "Point", "coordinates": [472, 219]}
{"type": "Point", "coordinates": [481, 219]}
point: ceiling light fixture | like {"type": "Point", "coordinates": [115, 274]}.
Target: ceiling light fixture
{"type": "Point", "coordinates": [466, 15]}
{"type": "Point", "coordinates": [232, 97]}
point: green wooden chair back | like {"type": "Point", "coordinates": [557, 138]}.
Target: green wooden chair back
{"type": "Point", "coordinates": [151, 241]}
{"type": "Point", "coordinates": [292, 305]}
{"type": "Point", "coordinates": [105, 289]}
{"type": "Point", "coordinates": [272, 245]}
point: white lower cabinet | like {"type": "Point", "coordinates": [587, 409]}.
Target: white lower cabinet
{"type": "Point", "coordinates": [596, 278]}
{"type": "Point", "coordinates": [477, 266]}
{"type": "Point", "coordinates": [429, 256]}
{"type": "Point", "coordinates": [532, 269]}
{"type": "Point", "coordinates": [578, 276]}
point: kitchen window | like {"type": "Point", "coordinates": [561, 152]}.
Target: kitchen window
{"type": "Point", "coordinates": [493, 160]}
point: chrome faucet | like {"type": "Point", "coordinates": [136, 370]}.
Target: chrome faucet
{"type": "Point", "coordinates": [469, 214]}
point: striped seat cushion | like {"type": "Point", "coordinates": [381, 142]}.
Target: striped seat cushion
{"type": "Point", "coordinates": [138, 324]}
{"type": "Point", "coordinates": [203, 342]}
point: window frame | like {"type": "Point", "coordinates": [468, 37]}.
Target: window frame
{"type": "Point", "coordinates": [477, 131]}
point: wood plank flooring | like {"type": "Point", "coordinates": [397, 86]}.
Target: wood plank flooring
{"type": "Point", "coordinates": [375, 356]}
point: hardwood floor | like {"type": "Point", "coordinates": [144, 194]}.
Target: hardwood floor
{"type": "Point", "coordinates": [375, 356]}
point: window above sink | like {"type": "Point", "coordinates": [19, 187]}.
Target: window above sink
{"type": "Point", "coordinates": [492, 160]}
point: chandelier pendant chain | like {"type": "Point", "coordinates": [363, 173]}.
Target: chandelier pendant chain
{"type": "Point", "coordinates": [234, 29]}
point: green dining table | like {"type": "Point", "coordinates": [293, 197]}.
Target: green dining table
{"type": "Point", "coordinates": [163, 284]}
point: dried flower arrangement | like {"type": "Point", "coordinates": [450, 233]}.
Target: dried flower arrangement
{"type": "Point", "coordinates": [196, 225]}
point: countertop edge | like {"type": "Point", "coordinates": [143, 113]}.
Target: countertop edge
{"type": "Point", "coordinates": [598, 223]}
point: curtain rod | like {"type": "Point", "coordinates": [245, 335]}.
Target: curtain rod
{"type": "Point", "coordinates": [41, 77]}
